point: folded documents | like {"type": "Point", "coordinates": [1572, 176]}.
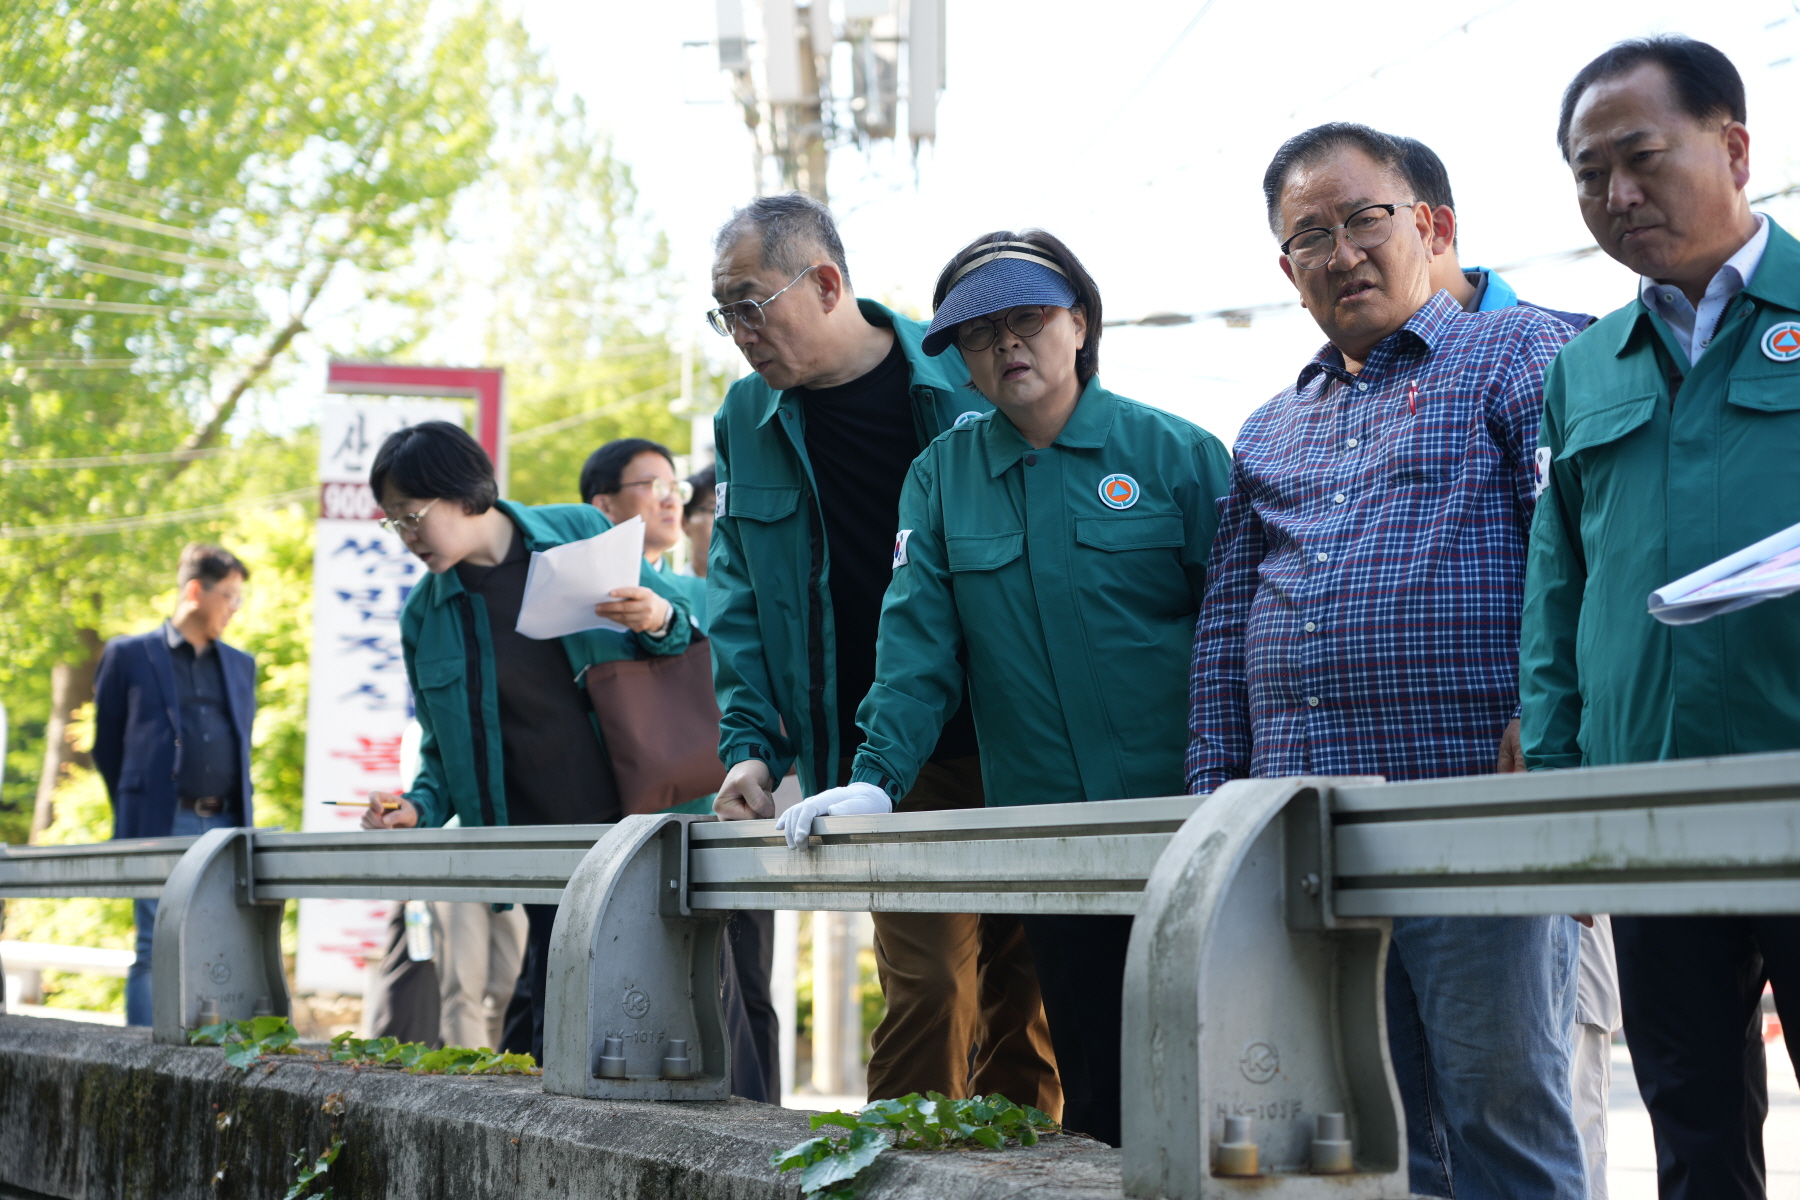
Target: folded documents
{"type": "Point", "coordinates": [1765, 571]}
{"type": "Point", "coordinates": [565, 582]}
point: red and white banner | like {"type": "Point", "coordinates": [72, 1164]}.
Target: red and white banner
{"type": "Point", "coordinates": [359, 703]}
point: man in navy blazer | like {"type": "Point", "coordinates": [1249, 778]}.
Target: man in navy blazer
{"type": "Point", "coordinates": [172, 716]}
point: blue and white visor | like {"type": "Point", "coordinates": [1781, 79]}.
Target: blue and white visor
{"type": "Point", "coordinates": [1004, 275]}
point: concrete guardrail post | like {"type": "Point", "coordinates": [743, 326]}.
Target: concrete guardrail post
{"type": "Point", "coordinates": [634, 1009]}
{"type": "Point", "coordinates": [217, 950]}
{"type": "Point", "coordinates": [1245, 997]}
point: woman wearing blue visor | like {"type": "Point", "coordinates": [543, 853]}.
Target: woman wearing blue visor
{"type": "Point", "coordinates": [1053, 552]}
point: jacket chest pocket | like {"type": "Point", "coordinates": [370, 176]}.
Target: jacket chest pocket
{"type": "Point", "coordinates": [1602, 426]}
{"type": "Point", "coordinates": [1162, 531]}
{"type": "Point", "coordinates": [1770, 392]}
{"type": "Point", "coordinates": [982, 551]}
{"type": "Point", "coordinates": [442, 687]}
{"type": "Point", "coordinates": [762, 503]}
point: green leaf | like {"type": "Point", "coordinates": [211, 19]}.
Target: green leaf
{"type": "Point", "coordinates": [209, 1035]}
{"type": "Point", "coordinates": [802, 1155]}
{"type": "Point", "coordinates": [857, 1151]}
{"type": "Point", "coordinates": [988, 1137]}
{"type": "Point", "coordinates": [242, 1055]}
{"type": "Point", "coordinates": [1028, 1136]}
{"type": "Point", "coordinates": [843, 1119]}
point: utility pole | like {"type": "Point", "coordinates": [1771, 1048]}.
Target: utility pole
{"type": "Point", "coordinates": [785, 82]}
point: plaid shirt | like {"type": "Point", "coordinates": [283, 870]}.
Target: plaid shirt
{"type": "Point", "coordinates": [1363, 612]}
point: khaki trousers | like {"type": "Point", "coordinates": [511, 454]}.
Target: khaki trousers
{"type": "Point", "coordinates": [963, 1012]}
{"type": "Point", "coordinates": [478, 956]}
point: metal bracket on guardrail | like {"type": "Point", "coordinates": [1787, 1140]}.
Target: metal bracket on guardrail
{"type": "Point", "coordinates": [634, 1009]}
{"type": "Point", "coordinates": [1246, 998]}
{"type": "Point", "coordinates": [217, 949]}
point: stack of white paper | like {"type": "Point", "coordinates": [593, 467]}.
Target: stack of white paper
{"type": "Point", "coordinates": [1765, 571]}
{"type": "Point", "coordinates": [565, 582]}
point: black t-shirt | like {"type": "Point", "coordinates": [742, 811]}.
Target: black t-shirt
{"type": "Point", "coordinates": [555, 770]}
{"type": "Point", "coordinates": [861, 441]}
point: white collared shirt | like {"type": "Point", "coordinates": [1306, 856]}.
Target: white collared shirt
{"type": "Point", "coordinates": [1695, 329]}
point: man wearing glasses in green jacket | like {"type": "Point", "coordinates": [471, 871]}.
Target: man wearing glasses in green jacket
{"type": "Point", "coordinates": [812, 451]}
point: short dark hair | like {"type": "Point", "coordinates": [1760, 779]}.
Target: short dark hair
{"type": "Point", "coordinates": [1705, 82]}
{"type": "Point", "coordinates": [1426, 176]}
{"type": "Point", "coordinates": [1316, 143]}
{"type": "Point", "coordinates": [438, 461]}
{"type": "Point", "coordinates": [1087, 292]}
{"type": "Point", "coordinates": [794, 227]}
{"type": "Point", "coordinates": [705, 483]}
{"type": "Point", "coordinates": [209, 564]}
{"type": "Point", "coordinates": [604, 468]}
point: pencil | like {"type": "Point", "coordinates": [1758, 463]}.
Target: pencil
{"type": "Point", "coordinates": [386, 805]}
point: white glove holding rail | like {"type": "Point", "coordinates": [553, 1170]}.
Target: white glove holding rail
{"type": "Point", "coordinates": [851, 800]}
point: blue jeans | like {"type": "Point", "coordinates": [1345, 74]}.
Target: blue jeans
{"type": "Point", "coordinates": [137, 979]}
{"type": "Point", "coordinates": [1479, 1012]}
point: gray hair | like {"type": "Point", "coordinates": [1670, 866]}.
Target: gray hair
{"type": "Point", "coordinates": [1304, 149]}
{"type": "Point", "coordinates": [795, 229]}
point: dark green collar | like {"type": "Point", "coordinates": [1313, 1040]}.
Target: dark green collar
{"type": "Point", "coordinates": [1087, 429]}
{"type": "Point", "coordinates": [926, 371]}
{"type": "Point", "coordinates": [1776, 282]}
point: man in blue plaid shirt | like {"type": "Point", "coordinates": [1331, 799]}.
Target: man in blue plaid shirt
{"type": "Point", "coordinates": [1363, 619]}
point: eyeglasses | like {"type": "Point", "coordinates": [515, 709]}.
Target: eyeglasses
{"type": "Point", "coordinates": [406, 524]}
{"type": "Point", "coordinates": [1366, 228]}
{"type": "Point", "coordinates": [749, 312]}
{"type": "Point", "coordinates": [977, 335]}
{"type": "Point", "coordinates": [663, 489]}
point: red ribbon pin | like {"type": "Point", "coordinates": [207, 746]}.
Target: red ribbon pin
{"type": "Point", "coordinates": [1412, 396]}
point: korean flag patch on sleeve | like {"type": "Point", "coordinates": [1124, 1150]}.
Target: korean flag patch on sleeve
{"type": "Point", "coordinates": [1542, 482]}
{"type": "Point", "coordinates": [900, 540]}
{"type": "Point", "coordinates": [719, 502]}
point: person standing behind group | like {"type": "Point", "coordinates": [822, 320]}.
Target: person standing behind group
{"type": "Point", "coordinates": [1364, 618]}
{"type": "Point", "coordinates": [635, 477]}
{"type": "Point", "coordinates": [1052, 556]}
{"type": "Point", "coordinates": [697, 517]}
{"type": "Point", "coordinates": [507, 736]}
{"type": "Point", "coordinates": [1597, 1015]}
{"type": "Point", "coordinates": [172, 715]}
{"type": "Point", "coordinates": [1671, 438]}
{"type": "Point", "coordinates": [812, 451]}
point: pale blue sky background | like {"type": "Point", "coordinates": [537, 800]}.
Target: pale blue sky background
{"type": "Point", "coordinates": [1161, 196]}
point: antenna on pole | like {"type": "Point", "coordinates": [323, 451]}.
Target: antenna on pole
{"type": "Point", "coordinates": [801, 99]}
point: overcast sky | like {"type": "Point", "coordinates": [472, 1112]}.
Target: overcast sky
{"type": "Point", "coordinates": [1052, 117]}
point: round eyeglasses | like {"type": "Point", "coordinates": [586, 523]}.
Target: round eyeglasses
{"type": "Point", "coordinates": [1366, 228]}
{"type": "Point", "coordinates": [663, 489]}
{"type": "Point", "coordinates": [979, 334]}
{"type": "Point", "coordinates": [407, 524]}
{"type": "Point", "coordinates": [747, 312]}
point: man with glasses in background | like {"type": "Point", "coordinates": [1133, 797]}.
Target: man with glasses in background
{"type": "Point", "coordinates": [1363, 619]}
{"type": "Point", "coordinates": [812, 451]}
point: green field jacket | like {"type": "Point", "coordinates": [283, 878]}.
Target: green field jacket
{"type": "Point", "coordinates": [1654, 468]}
{"type": "Point", "coordinates": [1068, 581]}
{"type": "Point", "coordinates": [768, 593]}
{"type": "Point", "coordinates": [450, 665]}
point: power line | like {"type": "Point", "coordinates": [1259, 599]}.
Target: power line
{"type": "Point", "coordinates": [1462, 27]}
{"type": "Point", "coordinates": [119, 460]}
{"type": "Point", "coordinates": [135, 310]}
{"type": "Point", "coordinates": [1145, 81]}
{"type": "Point", "coordinates": [125, 524]}
{"type": "Point", "coordinates": [582, 418]}
{"type": "Point", "coordinates": [107, 216]}
{"type": "Point", "coordinates": [44, 230]}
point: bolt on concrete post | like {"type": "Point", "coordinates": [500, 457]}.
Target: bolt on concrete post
{"type": "Point", "coordinates": [612, 1059]}
{"type": "Point", "coordinates": [676, 1064]}
{"type": "Point", "coordinates": [1331, 1146]}
{"type": "Point", "coordinates": [1237, 1153]}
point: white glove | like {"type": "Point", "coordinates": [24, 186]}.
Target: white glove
{"type": "Point", "coordinates": [852, 800]}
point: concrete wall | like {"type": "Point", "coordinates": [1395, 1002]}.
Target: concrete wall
{"type": "Point", "coordinates": [89, 1112]}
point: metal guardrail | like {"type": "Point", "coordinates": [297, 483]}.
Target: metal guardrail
{"type": "Point", "coordinates": [1254, 976]}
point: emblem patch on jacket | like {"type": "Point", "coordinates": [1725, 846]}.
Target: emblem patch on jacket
{"type": "Point", "coordinates": [719, 502]}
{"type": "Point", "coordinates": [900, 540]}
{"type": "Point", "coordinates": [1541, 483]}
{"type": "Point", "coordinates": [1119, 491]}
{"type": "Point", "coordinates": [965, 418]}
{"type": "Point", "coordinates": [1782, 342]}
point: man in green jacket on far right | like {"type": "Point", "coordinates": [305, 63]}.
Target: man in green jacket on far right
{"type": "Point", "coordinates": [1670, 439]}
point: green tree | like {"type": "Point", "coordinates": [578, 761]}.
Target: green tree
{"type": "Point", "coordinates": [180, 182]}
